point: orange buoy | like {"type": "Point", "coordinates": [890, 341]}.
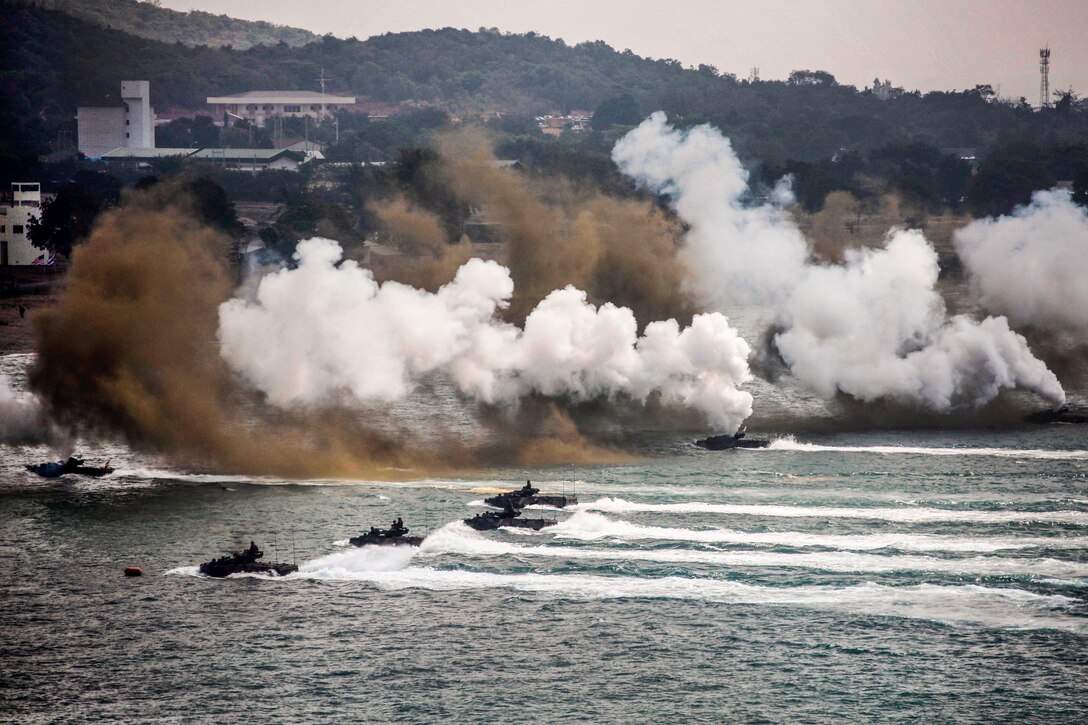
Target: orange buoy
{"type": "Point", "coordinates": [133, 571]}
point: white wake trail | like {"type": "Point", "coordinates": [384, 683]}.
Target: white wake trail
{"type": "Point", "coordinates": [458, 539]}
{"type": "Point", "coordinates": [900, 515]}
{"type": "Point", "coordinates": [789, 444]}
{"type": "Point", "coordinates": [969, 604]}
{"type": "Point", "coordinates": [589, 526]}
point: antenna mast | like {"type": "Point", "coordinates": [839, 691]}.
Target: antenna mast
{"type": "Point", "coordinates": [322, 80]}
{"type": "Point", "coordinates": [1044, 77]}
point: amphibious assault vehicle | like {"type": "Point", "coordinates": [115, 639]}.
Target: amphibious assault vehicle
{"type": "Point", "coordinates": [1064, 414]}
{"type": "Point", "coordinates": [56, 469]}
{"type": "Point", "coordinates": [729, 442]}
{"type": "Point", "coordinates": [528, 495]}
{"type": "Point", "coordinates": [509, 517]}
{"type": "Point", "coordinates": [395, 535]}
{"type": "Point", "coordinates": [245, 562]}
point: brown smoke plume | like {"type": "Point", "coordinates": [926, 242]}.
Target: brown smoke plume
{"type": "Point", "coordinates": [131, 349]}
{"type": "Point", "coordinates": [429, 260]}
{"type": "Point", "coordinates": [619, 250]}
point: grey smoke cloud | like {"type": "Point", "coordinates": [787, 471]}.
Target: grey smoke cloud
{"type": "Point", "coordinates": [873, 327]}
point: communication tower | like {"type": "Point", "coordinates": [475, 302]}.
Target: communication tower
{"type": "Point", "coordinates": [1044, 77]}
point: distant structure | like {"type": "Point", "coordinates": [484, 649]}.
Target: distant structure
{"type": "Point", "coordinates": [1044, 77]}
{"type": "Point", "coordinates": [105, 128]}
{"type": "Point", "coordinates": [753, 75]}
{"type": "Point", "coordinates": [258, 106]}
{"type": "Point", "coordinates": [15, 247]}
{"type": "Point", "coordinates": [556, 122]}
{"type": "Point", "coordinates": [252, 160]}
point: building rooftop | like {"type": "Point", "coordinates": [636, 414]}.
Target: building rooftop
{"type": "Point", "coordinates": [132, 152]}
{"type": "Point", "coordinates": [247, 154]}
{"type": "Point", "coordinates": [281, 97]}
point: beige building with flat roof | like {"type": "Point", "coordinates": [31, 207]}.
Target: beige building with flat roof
{"type": "Point", "coordinates": [258, 106]}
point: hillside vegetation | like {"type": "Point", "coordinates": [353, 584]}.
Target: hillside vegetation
{"type": "Point", "coordinates": [829, 136]}
{"type": "Point", "coordinates": [147, 20]}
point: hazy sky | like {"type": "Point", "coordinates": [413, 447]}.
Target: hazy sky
{"type": "Point", "coordinates": [924, 44]}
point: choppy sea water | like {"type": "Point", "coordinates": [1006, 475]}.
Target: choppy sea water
{"type": "Point", "coordinates": [935, 576]}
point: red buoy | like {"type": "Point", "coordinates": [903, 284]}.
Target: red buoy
{"type": "Point", "coordinates": [133, 571]}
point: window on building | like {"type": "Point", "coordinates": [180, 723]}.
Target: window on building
{"type": "Point", "coordinates": [268, 107]}
{"type": "Point", "coordinates": [315, 108]}
{"type": "Point", "coordinates": [17, 229]}
{"type": "Point", "coordinates": [126, 121]}
{"type": "Point", "coordinates": [126, 134]}
{"type": "Point", "coordinates": [292, 109]}
{"type": "Point", "coordinates": [251, 107]}
{"type": "Point", "coordinates": [3, 228]}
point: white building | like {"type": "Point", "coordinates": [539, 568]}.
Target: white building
{"type": "Point", "coordinates": [258, 106]}
{"type": "Point", "coordinates": [15, 247]}
{"type": "Point", "coordinates": [105, 128]}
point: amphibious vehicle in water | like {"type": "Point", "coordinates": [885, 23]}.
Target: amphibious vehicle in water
{"type": "Point", "coordinates": [245, 562]}
{"type": "Point", "coordinates": [528, 495]}
{"type": "Point", "coordinates": [509, 517]}
{"type": "Point", "coordinates": [56, 469]}
{"type": "Point", "coordinates": [395, 535]}
{"type": "Point", "coordinates": [1064, 414]}
{"type": "Point", "coordinates": [729, 442]}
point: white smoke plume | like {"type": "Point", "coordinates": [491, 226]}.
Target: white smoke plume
{"type": "Point", "coordinates": [873, 327]}
{"type": "Point", "coordinates": [1029, 265]}
{"type": "Point", "coordinates": [326, 328]}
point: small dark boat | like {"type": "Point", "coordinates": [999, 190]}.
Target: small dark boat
{"type": "Point", "coordinates": [1064, 414]}
{"type": "Point", "coordinates": [508, 517]}
{"type": "Point", "coordinates": [245, 562]}
{"type": "Point", "coordinates": [729, 442]}
{"type": "Point", "coordinates": [393, 536]}
{"type": "Point", "coordinates": [528, 495]}
{"type": "Point", "coordinates": [56, 469]}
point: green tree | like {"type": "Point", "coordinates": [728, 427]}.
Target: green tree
{"type": "Point", "coordinates": [66, 221]}
{"type": "Point", "coordinates": [1006, 180]}
{"type": "Point", "coordinates": [616, 111]}
{"type": "Point", "coordinates": [1080, 187]}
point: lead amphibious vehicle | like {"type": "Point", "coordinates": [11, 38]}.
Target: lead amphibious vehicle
{"type": "Point", "coordinates": [245, 562]}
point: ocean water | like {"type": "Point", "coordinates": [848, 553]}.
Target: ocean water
{"type": "Point", "coordinates": [891, 576]}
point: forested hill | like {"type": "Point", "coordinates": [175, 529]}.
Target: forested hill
{"type": "Point", "coordinates": [148, 20]}
{"type": "Point", "coordinates": [54, 61]}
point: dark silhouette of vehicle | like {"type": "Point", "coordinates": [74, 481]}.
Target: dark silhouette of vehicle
{"type": "Point", "coordinates": [510, 517]}
{"type": "Point", "coordinates": [1064, 414]}
{"type": "Point", "coordinates": [729, 442]}
{"type": "Point", "coordinates": [245, 562]}
{"type": "Point", "coordinates": [56, 469]}
{"type": "Point", "coordinates": [528, 495]}
{"type": "Point", "coordinates": [395, 535]}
